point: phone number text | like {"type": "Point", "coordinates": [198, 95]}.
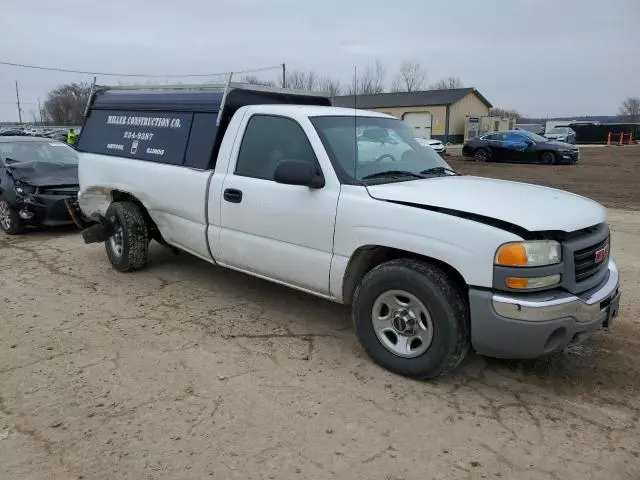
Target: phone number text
{"type": "Point", "coordinates": [138, 135]}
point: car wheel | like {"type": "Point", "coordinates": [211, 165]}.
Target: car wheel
{"type": "Point", "coordinates": [411, 319]}
{"type": "Point", "coordinates": [128, 246]}
{"type": "Point", "coordinates": [481, 155]}
{"type": "Point", "coordinates": [548, 158]}
{"type": "Point", "coordinates": [9, 219]}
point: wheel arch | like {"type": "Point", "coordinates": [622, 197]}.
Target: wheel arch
{"type": "Point", "coordinates": [123, 196]}
{"type": "Point", "coordinates": [367, 257]}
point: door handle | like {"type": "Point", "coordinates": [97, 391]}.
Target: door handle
{"type": "Point", "coordinates": [232, 195]}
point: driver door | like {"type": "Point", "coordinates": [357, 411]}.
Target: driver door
{"type": "Point", "coordinates": [272, 230]}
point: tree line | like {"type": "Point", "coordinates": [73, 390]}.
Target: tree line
{"type": "Point", "coordinates": [410, 77]}
{"type": "Point", "coordinates": [65, 104]}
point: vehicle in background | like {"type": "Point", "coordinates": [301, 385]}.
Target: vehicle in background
{"type": "Point", "coordinates": [13, 132]}
{"type": "Point", "coordinates": [531, 127]}
{"type": "Point", "coordinates": [562, 134]}
{"type": "Point", "coordinates": [38, 177]}
{"type": "Point", "coordinates": [437, 145]}
{"type": "Point", "coordinates": [60, 135]}
{"type": "Point", "coordinates": [520, 146]}
{"type": "Point", "coordinates": [346, 205]}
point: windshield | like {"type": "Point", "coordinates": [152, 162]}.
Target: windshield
{"type": "Point", "coordinates": [559, 130]}
{"type": "Point", "coordinates": [533, 136]}
{"type": "Point", "coordinates": [382, 145]}
{"type": "Point", "coordinates": [49, 152]}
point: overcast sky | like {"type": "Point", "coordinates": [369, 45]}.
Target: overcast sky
{"type": "Point", "coordinates": [544, 57]}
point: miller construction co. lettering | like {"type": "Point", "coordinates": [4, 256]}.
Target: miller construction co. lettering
{"type": "Point", "coordinates": [157, 122]}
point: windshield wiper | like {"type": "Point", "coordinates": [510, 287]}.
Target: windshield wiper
{"type": "Point", "coordinates": [439, 170]}
{"type": "Point", "coordinates": [393, 173]}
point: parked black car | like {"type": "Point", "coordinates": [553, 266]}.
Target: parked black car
{"type": "Point", "coordinates": [520, 146]}
{"type": "Point", "coordinates": [38, 177]}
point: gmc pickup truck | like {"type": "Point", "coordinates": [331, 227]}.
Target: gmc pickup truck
{"type": "Point", "coordinates": [346, 205]}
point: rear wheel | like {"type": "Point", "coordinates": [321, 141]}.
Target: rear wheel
{"type": "Point", "coordinates": [548, 158]}
{"type": "Point", "coordinates": [9, 219]}
{"type": "Point", "coordinates": [481, 155]}
{"type": "Point", "coordinates": [411, 319]}
{"type": "Point", "coordinates": [128, 246]}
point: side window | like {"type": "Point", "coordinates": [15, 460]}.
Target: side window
{"type": "Point", "coordinates": [491, 137]}
{"type": "Point", "coordinates": [201, 140]}
{"type": "Point", "coordinates": [515, 137]}
{"type": "Point", "coordinates": [269, 140]}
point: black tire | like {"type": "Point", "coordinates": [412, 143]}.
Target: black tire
{"type": "Point", "coordinates": [12, 225]}
{"type": "Point", "coordinates": [481, 155]}
{"type": "Point", "coordinates": [129, 221]}
{"type": "Point", "coordinates": [548, 158]}
{"type": "Point", "coordinates": [447, 308]}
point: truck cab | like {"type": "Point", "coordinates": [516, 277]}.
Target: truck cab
{"type": "Point", "coordinates": [346, 205]}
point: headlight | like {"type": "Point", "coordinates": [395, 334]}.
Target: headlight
{"type": "Point", "coordinates": [534, 253]}
{"type": "Point", "coordinates": [24, 189]}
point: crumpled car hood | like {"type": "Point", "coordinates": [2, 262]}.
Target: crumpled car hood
{"type": "Point", "coordinates": [531, 207]}
{"type": "Point", "coordinates": [44, 174]}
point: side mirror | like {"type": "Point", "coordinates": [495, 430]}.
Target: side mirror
{"type": "Point", "coordinates": [298, 172]}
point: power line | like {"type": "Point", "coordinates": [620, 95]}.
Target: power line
{"type": "Point", "coordinates": [172, 75]}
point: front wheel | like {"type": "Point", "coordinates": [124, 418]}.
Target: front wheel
{"type": "Point", "coordinates": [481, 155]}
{"type": "Point", "coordinates": [411, 319]}
{"type": "Point", "coordinates": [548, 158]}
{"type": "Point", "coordinates": [9, 219]}
{"type": "Point", "coordinates": [128, 245]}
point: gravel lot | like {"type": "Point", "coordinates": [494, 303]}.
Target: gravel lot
{"type": "Point", "coordinates": [610, 175]}
{"type": "Point", "coordinates": [187, 371]}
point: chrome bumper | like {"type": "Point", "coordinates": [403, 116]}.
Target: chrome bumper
{"type": "Point", "coordinates": [588, 307]}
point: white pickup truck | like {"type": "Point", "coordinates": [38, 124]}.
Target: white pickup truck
{"type": "Point", "coordinates": [346, 205]}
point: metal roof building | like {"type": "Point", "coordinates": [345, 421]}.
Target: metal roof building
{"type": "Point", "coordinates": [439, 114]}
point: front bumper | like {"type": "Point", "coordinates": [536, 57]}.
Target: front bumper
{"type": "Point", "coordinates": [528, 326]}
{"type": "Point", "coordinates": [49, 210]}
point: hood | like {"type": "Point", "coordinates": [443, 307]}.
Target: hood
{"type": "Point", "coordinates": [531, 207]}
{"type": "Point", "coordinates": [559, 144]}
{"type": "Point", "coordinates": [44, 174]}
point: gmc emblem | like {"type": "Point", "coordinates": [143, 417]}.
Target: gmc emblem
{"type": "Point", "coordinates": [602, 254]}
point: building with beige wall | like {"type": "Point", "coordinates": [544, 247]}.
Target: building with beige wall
{"type": "Point", "coordinates": [439, 114]}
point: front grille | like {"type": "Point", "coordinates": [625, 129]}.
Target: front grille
{"type": "Point", "coordinates": [585, 262]}
{"type": "Point", "coordinates": [62, 191]}
{"type": "Point", "coordinates": [59, 211]}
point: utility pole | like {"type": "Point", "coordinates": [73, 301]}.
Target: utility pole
{"type": "Point", "coordinates": [18, 102]}
{"type": "Point", "coordinates": [40, 109]}
{"type": "Point", "coordinates": [284, 76]}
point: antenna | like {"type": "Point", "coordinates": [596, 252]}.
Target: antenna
{"type": "Point", "coordinates": [355, 123]}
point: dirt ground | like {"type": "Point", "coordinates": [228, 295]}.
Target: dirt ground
{"type": "Point", "coordinates": [188, 371]}
{"type": "Point", "coordinates": [610, 175]}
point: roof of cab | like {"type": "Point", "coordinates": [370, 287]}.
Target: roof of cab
{"type": "Point", "coordinates": [316, 111]}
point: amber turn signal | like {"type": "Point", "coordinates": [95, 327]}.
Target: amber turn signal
{"type": "Point", "coordinates": [519, 283]}
{"type": "Point", "coordinates": [512, 254]}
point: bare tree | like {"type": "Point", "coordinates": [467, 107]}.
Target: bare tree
{"type": "Point", "coordinates": [447, 83]}
{"type": "Point", "coordinates": [253, 80]}
{"type": "Point", "coordinates": [410, 78]}
{"type": "Point", "coordinates": [630, 109]}
{"type": "Point", "coordinates": [504, 113]}
{"type": "Point", "coordinates": [65, 104]}
{"type": "Point", "coordinates": [300, 80]}
{"type": "Point", "coordinates": [370, 82]}
{"type": "Point", "coordinates": [330, 86]}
